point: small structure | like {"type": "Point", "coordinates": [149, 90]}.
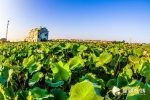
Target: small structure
{"type": "Point", "coordinates": [3, 40]}
{"type": "Point", "coordinates": [37, 35]}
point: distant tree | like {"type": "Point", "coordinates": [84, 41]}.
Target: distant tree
{"type": "Point", "coordinates": [123, 41]}
{"type": "Point", "coordinates": [114, 42]}
{"type": "Point", "coordinates": [25, 40]}
{"type": "Point", "coordinates": [43, 40]}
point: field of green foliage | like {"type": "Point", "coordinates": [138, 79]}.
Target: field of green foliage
{"type": "Point", "coordinates": [74, 71]}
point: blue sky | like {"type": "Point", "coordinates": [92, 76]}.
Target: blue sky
{"type": "Point", "coordinates": [78, 19]}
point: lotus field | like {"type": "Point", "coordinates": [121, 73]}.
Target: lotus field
{"type": "Point", "coordinates": [74, 71]}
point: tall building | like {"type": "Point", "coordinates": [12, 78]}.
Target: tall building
{"type": "Point", "coordinates": [37, 35]}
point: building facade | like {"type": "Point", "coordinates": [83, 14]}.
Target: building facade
{"type": "Point", "coordinates": [37, 35]}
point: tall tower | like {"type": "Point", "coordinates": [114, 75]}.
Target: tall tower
{"type": "Point", "coordinates": [7, 30]}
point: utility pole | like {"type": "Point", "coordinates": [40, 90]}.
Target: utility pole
{"type": "Point", "coordinates": [130, 40]}
{"type": "Point", "coordinates": [7, 30]}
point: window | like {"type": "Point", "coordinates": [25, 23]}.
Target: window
{"type": "Point", "coordinates": [46, 34]}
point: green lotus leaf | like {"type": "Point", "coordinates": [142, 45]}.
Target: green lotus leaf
{"type": "Point", "coordinates": [56, 84]}
{"type": "Point", "coordinates": [65, 45]}
{"type": "Point", "coordinates": [146, 93]}
{"type": "Point", "coordinates": [138, 51]}
{"type": "Point", "coordinates": [104, 58]}
{"type": "Point", "coordinates": [107, 98]}
{"type": "Point", "coordinates": [68, 45]}
{"type": "Point", "coordinates": [1, 58]}
{"type": "Point", "coordinates": [47, 50]}
{"type": "Point", "coordinates": [48, 61]}
{"type": "Point", "coordinates": [21, 95]}
{"type": "Point", "coordinates": [123, 59]}
{"type": "Point", "coordinates": [145, 71]}
{"type": "Point", "coordinates": [134, 83]}
{"type": "Point", "coordinates": [34, 67]}
{"type": "Point", "coordinates": [2, 95]}
{"type": "Point", "coordinates": [14, 84]}
{"type": "Point", "coordinates": [111, 83]}
{"type": "Point", "coordinates": [9, 92]}
{"type": "Point", "coordinates": [114, 61]}
{"type": "Point", "coordinates": [42, 56]}
{"type": "Point", "coordinates": [134, 59]}
{"type": "Point", "coordinates": [3, 80]}
{"type": "Point", "coordinates": [75, 49]}
{"type": "Point", "coordinates": [121, 81]}
{"type": "Point", "coordinates": [62, 44]}
{"type": "Point", "coordinates": [92, 78]}
{"type": "Point", "coordinates": [92, 58]}
{"type": "Point", "coordinates": [35, 78]}
{"type": "Point", "coordinates": [1, 67]}
{"type": "Point", "coordinates": [58, 94]}
{"type": "Point", "coordinates": [7, 62]}
{"type": "Point", "coordinates": [56, 50]}
{"type": "Point", "coordinates": [12, 57]}
{"type": "Point", "coordinates": [137, 67]}
{"type": "Point", "coordinates": [84, 91]}
{"type": "Point", "coordinates": [5, 75]}
{"type": "Point", "coordinates": [109, 70]}
{"type": "Point", "coordinates": [148, 79]}
{"type": "Point", "coordinates": [128, 72]}
{"type": "Point", "coordinates": [135, 97]}
{"type": "Point", "coordinates": [30, 52]}
{"type": "Point", "coordinates": [74, 62]}
{"type": "Point", "coordinates": [28, 61]}
{"type": "Point", "coordinates": [60, 71]}
{"type": "Point", "coordinates": [89, 76]}
{"type": "Point", "coordinates": [59, 55]}
{"type": "Point", "coordinates": [38, 93]}
{"type": "Point", "coordinates": [148, 59]}
{"type": "Point", "coordinates": [96, 52]}
{"type": "Point", "coordinates": [114, 50]}
{"type": "Point", "coordinates": [25, 76]}
{"type": "Point", "coordinates": [82, 48]}
{"type": "Point", "coordinates": [143, 59]}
